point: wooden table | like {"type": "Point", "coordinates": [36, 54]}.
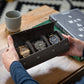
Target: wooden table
{"type": "Point", "coordinates": [49, 72]}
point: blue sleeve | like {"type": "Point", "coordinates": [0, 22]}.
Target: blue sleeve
{"type": "Point", "coordinates": [19, 74]}
{"type": "Point", "coordinates": [82, 80]}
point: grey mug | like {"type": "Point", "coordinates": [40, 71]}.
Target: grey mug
{"type": "Point", "coordinates": [13, 21]}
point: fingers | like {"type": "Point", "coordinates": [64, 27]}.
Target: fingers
{"type": "Point", "coordinates": [65, 36]}
{"type": "Point", "coordinates": [10, 41]}
{"type": "Point", "coordinates": [71, 40]}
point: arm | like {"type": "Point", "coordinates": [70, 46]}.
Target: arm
{"type": "Point", "coordinates": [82, 79]}
{"type": "Point", "coordinates": [19, 74]}
{"type": "Point", "coordinates": [76, 47]}
{"type": "Point", "coordinates": [10, 59]}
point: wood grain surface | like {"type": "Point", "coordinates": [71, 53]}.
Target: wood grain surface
{"type": "Point", "coordinates": [49, 72]}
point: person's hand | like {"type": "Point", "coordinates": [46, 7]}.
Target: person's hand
{"type": "Point", "coordinates": [10, 55]}
{"type": "Point", "coordinates": [76, 46]}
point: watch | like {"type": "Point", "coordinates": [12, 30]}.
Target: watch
{"type": "Point", "coordinates": [53, 38]}
{"type": "Point", "coordinates": [24, 51]}
{"type": "Point", "coordinates": [40, 45]}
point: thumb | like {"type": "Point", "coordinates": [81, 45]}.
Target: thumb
{"type": "Point", "coordinates": [10, 41]}
{"type": "Point", "coordinates": [65, 36]}
{"type": "Point", "coordinates": [71, 40]}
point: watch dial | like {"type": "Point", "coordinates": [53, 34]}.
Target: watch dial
{"type": "Point", "coordinates": [40, 45]}
{"type": "Point", "coordinates": [54, 39]}
{"type": "Point", "coordinates": [24, 52]}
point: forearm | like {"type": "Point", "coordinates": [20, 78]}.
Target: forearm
{"type": "Point", "coordinates": [81, 47]}
{"type": "Point", "coordinates": [19, 74]}
{"type": "Point", "coordinates": [82, 79]}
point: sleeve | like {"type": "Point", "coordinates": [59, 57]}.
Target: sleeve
{"type": "Point", "coordinates": [82, 79]}
{"type": "Point", "coordinates": [20, 75]}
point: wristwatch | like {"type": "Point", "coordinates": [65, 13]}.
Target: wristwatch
{"type": "Point", "coordinates": [53, 38]}
{"type": "Point", "coordinates": [24, 51]}
{"type": "Point", "coordinates": [40, 45]}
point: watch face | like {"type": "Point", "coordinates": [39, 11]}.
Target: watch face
{"type": "Point", "coordinates": [24, 52]}
{"type": "Point", "coordinates": [40, 45]}
{"type": "Point", "coordinates": [54, 39]}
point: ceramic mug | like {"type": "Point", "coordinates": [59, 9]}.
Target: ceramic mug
{"type": "Point", "coordinates": [13, 21]}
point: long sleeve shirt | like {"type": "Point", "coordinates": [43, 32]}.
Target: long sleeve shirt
{"type": "Point", "coordinates": [82, 79]}
{"type": "Point", "coordinates": [20, 76]}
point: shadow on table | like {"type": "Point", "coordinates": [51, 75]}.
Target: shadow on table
{"type": "Point", "coordinates": [53, 77]}
{"type": "Point", "coordinates": [9, 81]}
